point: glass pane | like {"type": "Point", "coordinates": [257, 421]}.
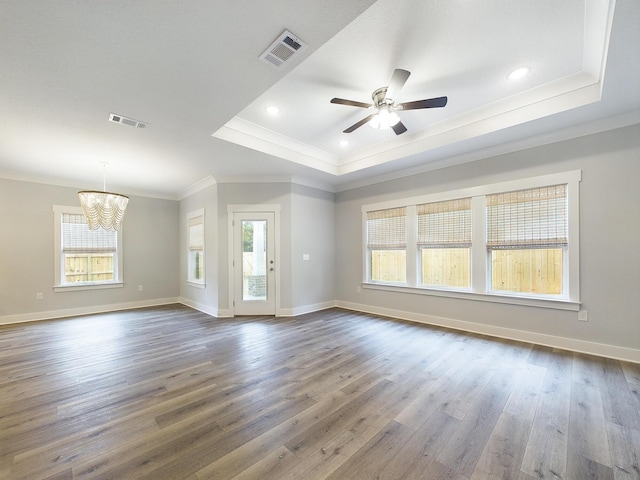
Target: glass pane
{"type": "Point", "coordinates": [389, 266]}
{"type": "Point", "coordinates": [196, 265]}
{"type": "Point", "coordinates": [254, 259]}
{"type": "Point", "coordinates": [537, 270]}
{"type": "Point", "coordinates": [88, 267]}
{"type": "Point", "coordinates": [446, 267]}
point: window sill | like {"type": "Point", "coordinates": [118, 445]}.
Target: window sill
{"type": "Point", "coordinates": [87, 286]}
{"type": "Point", "coordinates": [201, 286]}
{"type": "Point", "coordinates": [558, 304]}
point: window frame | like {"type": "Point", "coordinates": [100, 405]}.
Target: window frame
{"type": "Point", "coordinates": [382, 247]}
{"type": "Point", "coordinates": [480, 254]}
{"type": "Point", "coordinates": [197, 283]}
{"type": "Point", "coordinates": [59, 284]}
{"type": "Point", "coordinates": [455, 238]}
{"type": "Point", "coordinates": [527, 241]}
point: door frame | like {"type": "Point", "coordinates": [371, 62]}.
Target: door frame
{"type": "Point", "coordinates": [260, 208]}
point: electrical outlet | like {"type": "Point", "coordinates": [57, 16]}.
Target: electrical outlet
{"type": "Point", "coordinates": [359, 289]}
{"type": "Point", "coordinates": [582, 316]}
{"type": "Point", "coordinates": [39, 296]}
{"type": "Point", "coordinates": [305, 256]}
{"type": "Point", "coordinates": [140, 288]}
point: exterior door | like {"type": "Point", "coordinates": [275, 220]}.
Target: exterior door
{"type": "Point", "coordinates": [254, 263]}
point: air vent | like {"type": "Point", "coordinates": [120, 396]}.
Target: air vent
{"type": "Point", "coordinates": [127, 121]}
{"type": "Point", "coordinates": [283, 49]}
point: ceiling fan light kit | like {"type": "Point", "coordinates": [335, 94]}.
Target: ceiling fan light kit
{"type": "Point", "coordinates": [384, 119]}
{"type": "Point", "coordinates": [385, 106]}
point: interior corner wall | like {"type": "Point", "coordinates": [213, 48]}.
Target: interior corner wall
{"type": "Point", "coordinates": [609, 252]}
{"type": "Point", "coordinates": [312, 249]}
{"type": "Point", "coordinates": [150, 242]}
{"type": "Point", "coordinates": [203, 299]}
{"type": "Point", "coordinates": [254, 194]}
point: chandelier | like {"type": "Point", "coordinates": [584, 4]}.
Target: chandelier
{"type": "Point", "coordinates": [103, 209]}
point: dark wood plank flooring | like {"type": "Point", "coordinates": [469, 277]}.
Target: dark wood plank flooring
{"type": "Point", "coordinates": [171, 393]}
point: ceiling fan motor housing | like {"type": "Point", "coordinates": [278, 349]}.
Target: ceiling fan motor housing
{"type": "Point", "coordinates": [379, 97]}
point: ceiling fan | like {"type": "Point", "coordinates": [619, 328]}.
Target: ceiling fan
{"type": "Point", "coordinates": [385, 115]}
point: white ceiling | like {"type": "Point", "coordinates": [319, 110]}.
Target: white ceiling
{"type": "Point", "coordinates": [192, 71]}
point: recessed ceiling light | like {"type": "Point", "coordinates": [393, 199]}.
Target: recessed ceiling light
{"type": "Point", "coordinates": [518, 73]}
{"type": "Point", "coordinates": [272, 110]}
{"type": "Point", "coordinates": [344, 143]}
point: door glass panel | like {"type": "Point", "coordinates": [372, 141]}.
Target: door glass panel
{"type": "Point", "coordinates": [254, 259]}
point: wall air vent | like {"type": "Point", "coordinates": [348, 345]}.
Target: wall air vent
{"type": "Point", "coordinates": [113, 117]}
{"type": "Point", "coordinates": [283, 49]}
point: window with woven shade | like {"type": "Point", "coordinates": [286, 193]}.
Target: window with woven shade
{"type": "Point", "coordinates": [444, 243]}
{"type": "Point", "coordinates": [196, 245]}
{"type": "Point", "coordinates": [88, 255]}
{"type": "Point", "coordinates": [387, 245]}
{"type": "Point", "coordinates": [515, 242]}
{"type": "Point", "coordinates": [527, 237]}
{"type": "Point", "coordinates": [85, 258]}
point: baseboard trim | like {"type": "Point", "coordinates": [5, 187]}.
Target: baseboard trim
{"type": "Point", "coordinates": [201, 307]}
{"type": "Point", "coordinates": [316, 307]}
{"type": "Point", "coordinates": [574, 345]}
{"type": "Point", "coordinates": [581, 346]}
{"type": "Point", "coordinates": [74, 312]}
{"type": "Point", "coordinates": [208, 309]}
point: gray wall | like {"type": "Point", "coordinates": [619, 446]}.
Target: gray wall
{"type": "Point", "coordinates": [316, 223]}
{"type": "Point", "coordinates": [307, 219]}
{"type": "Point", "coordinates": [609, 232]}
{"type": "Point", "coordinates": [312, 233]}
{"type": "Point", "coordinates": [207, 298]}
{"type": "Point", "coordinates": [255, 194]}
{"type": "Point", "coordinates": [150, 237]}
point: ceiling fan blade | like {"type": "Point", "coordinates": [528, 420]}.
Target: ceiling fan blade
{"type": "Point", "coordinates": [398, 79]}
{"type": "Point", "coordinates": [399, 128]}
{"type": "Point", "coordinates": [359, 124]}
{"type": "Point", "coordinates": [428, 103]}
{"type": "Point", "coordinates": [351, 103]}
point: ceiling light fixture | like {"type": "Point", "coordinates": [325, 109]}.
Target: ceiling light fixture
{"type": "Point", "coordinates": [518, 73]}
{"type": "Point", "coordinates": [272, 110]}
{"type": "Point", "coordinates": [385, 118]}
{"type": "Point", "coordinates": [103, 209]}
{"type": "Point", "coordinates": [344, 143]}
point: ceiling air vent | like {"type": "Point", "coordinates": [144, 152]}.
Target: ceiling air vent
{"type": "Point", "coordinates": [127, 121]}
{"type": "Point", "coordinates": [283, 49]}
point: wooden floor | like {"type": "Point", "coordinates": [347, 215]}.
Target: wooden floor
{"type": "Point", "coordinates": [169, 392]}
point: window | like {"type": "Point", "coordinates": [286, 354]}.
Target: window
{"type": "Point", "coordinates": [527, 240]}
{"type": "Point", "coordinates": [85, 258]}
{"type": "Point", "coordinates": [444, 243]}
{"type": "Point", "coordinates": [195, 260]}
{"type": "Point", "coordinates": [386, 245]}
{"type": "Point", "coordinates": [511, 242]}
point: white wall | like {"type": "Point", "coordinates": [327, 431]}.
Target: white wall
{"type": "Point", "coordinates": [609, 252]}
{"type": "Point", "coordinates": [205, 299]}
{"type": "Point", "coordinates": [150, 237]}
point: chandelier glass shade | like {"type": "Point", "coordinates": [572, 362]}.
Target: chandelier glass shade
{"type": "Point", "coordinates": [103, 209]}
